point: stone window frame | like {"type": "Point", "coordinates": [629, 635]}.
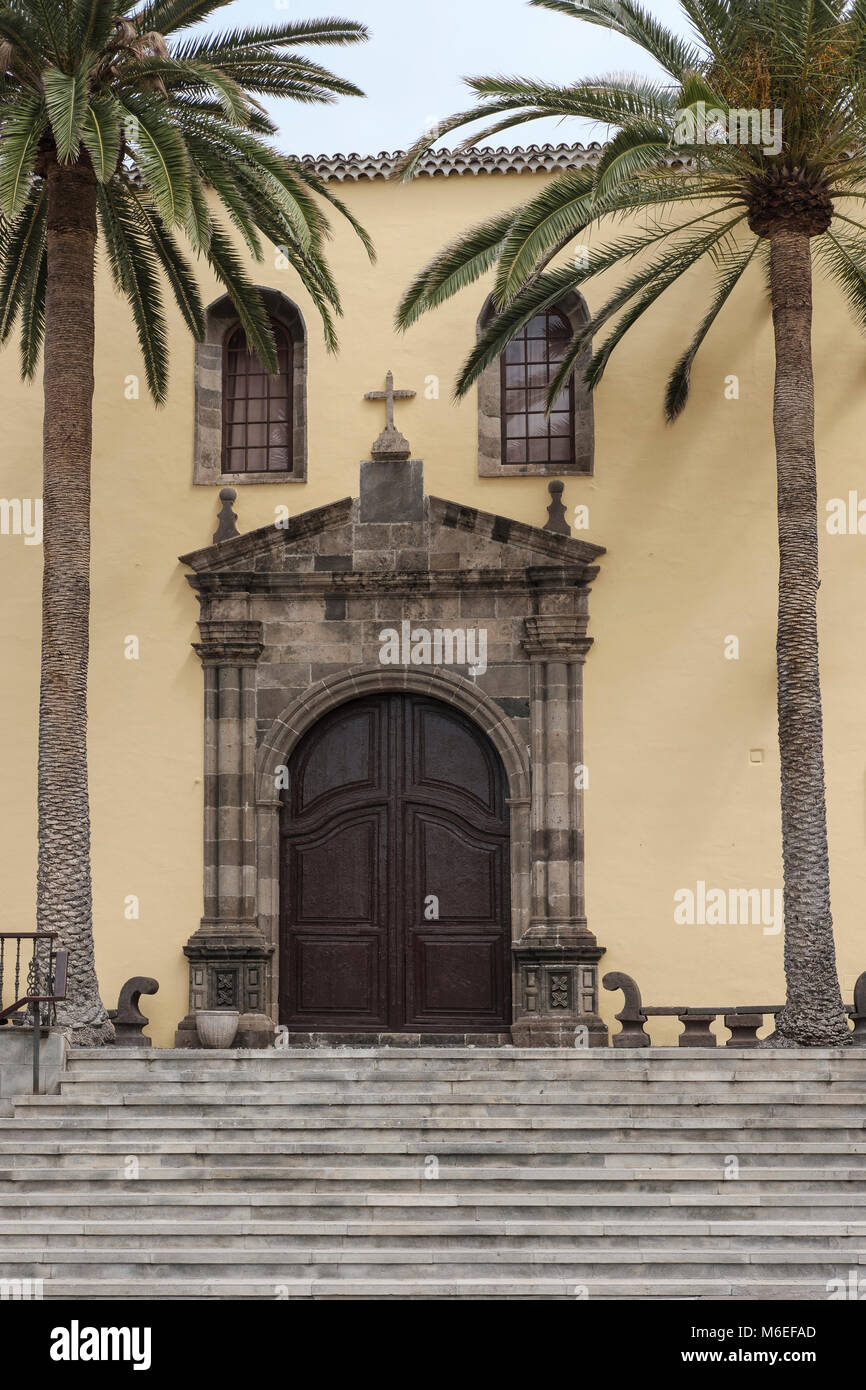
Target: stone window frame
{"type": "Point", "coordinates": [220, 318]}
{"type": "Point", "coordinates": [490, 464]}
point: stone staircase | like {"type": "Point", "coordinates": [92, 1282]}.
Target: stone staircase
{"type": "Point", "coordinates": [460, 1173]}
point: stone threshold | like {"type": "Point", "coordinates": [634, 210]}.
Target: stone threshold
{"type": "Point", "coordinates": [326, 1040]}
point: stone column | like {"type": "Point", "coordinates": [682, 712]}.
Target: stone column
{"type": "Point", "coordinates": [228, 955]}
{"type": "Point", "coordinates": [556, 957]}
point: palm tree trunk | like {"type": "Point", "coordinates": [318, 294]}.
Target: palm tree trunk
{"type": "Point", "coordinates": [813, 1014]}
{"type": "Point", "coordinates": [63, 884]}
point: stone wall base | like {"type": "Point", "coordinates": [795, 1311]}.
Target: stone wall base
{"type": "Point", "coordinates": [16, 1061]}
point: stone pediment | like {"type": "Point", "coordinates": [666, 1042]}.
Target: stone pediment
{"type": "Point", "coordinates": [443, 539]}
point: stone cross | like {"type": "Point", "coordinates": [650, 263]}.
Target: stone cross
{"type": "Point", "coordinates": [391, 444]}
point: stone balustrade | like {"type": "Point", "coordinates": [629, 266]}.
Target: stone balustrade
{"type": "Point", "coordinates": [743, 1020]}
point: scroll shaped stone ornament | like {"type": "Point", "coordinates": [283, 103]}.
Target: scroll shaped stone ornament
{"type": "Point", "coordinates": [858, 1013]}
{"type": "Point", "coordinates": [632, 1015]}
{"type": "Point", "coordinates": [127, 1018]}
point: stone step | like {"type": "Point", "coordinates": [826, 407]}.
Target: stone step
{"type": "Point", "coordinates": [304, 1173]}
{"type": "Point", "coordinates": [67, 1152]}
{"type": "Point", "coordinates": [62, 1234]}
{"type": "Point", "coordinates": [469, 1091]}
{"type": "Point", "coordinates": [483, 1289]}
{"type": "Point", "coordinates": [321, 1135]}
{"type": "Point", "coordinates": [507, 1183]}
{"type": "Point", "coordinates": [577, 1071]}
{"type": "Point", "coordinates": [449, 1054]}
{"type": "Point", "coordinates": [457, 1263]}
{"type": "Point", "coordinates": [344, 1109]}
{"type": "Point", "coordinates": [627, 1203]}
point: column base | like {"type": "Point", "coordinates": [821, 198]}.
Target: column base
{"type": "Point", "coordinates": [229, 968]}
{"type": "Point", "coordinates": [587, 1030]}
{"type": "Point", "coordinates": [254, 1030]}
{"type": "Point", "coordinates": [556, 998]}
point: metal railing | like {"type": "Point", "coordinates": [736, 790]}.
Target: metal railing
{"type": "Point", "coordinates": [743, 1020]}
{"type": "Point", "coordinates": [44, 984]}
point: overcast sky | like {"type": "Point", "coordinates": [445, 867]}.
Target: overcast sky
{"type": "Point", "coordinates": [411, 68]}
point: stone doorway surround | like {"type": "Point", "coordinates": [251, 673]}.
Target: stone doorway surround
{"type": "Point", "coordinates": [290, 627]}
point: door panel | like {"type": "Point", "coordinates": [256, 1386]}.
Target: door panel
{"type": "Point", "coordinates": [394, 873]}
{"type": "Point", "coordinates": [337, 946]}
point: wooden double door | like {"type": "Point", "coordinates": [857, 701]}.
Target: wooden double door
{"type": "Point", "coordinates": [394, 902]}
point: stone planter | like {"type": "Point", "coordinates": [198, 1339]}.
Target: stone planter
{"type": "Point", "coordinates": [217, 1027]}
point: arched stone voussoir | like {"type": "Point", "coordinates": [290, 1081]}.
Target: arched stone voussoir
{"type": "Point", "coordinates": [302, 713]}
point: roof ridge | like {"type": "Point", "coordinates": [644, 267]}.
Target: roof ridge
{"type": "Point", "coordinates": [477, 159]}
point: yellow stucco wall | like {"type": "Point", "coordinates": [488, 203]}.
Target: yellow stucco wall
{"type": "Point", "coordinates": [688, 518]}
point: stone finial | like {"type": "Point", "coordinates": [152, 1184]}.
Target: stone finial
{"type": "Point", "coordinates": [391, 444]}
{"type": "Point", "coordinates": [556, 511]}
{"type": "Point", "coordinates": [227, 520]}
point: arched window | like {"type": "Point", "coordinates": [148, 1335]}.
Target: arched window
{"type": "Point", "coordinates": [515, 436]}
{"type": "Point", "coordinates": [250, 427]}
{"type": "Point", "coordinates": [527, 367]}
{"type": "Point", "coordinates": [257, 408]}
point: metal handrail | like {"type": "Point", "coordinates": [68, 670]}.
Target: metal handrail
{"type": "Point", "coordinates": [55, 984]}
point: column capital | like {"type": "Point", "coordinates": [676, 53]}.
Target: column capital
{"type": "Point", "coordinates": [557, 638]}
{"type": "Point", "coordinates": [229, 642]}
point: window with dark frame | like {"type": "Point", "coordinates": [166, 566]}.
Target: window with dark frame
{"type": "Point", "coordinates": [257, 408]}
{"type": "Point", "coordinates": [528, 365]}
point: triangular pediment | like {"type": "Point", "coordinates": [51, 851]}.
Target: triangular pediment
{"type": "Point", "coordinates": [450, 537]}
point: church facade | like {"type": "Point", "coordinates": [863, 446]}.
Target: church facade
{"type": "Point", "coordinates": [467, 717]}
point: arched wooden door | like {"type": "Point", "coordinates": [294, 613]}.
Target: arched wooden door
{"type": "Point", "coordinates": [394, 903]}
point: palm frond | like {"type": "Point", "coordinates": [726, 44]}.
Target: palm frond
{"type": "Point", "coordinates": [135, 267]}
{"type": "Point", "coordinates": [188, 77]}
{"type": "Point", "coordinates": [23, 123]}
{"type": "Point", "coordinates": [213, 47]}
{"type": "Point", "coordinates": [679, 382]}
{"type": "Point", "coordinates": [460, 264]}
{"type": "Point", "coordinates": [320, 187]}
{"type": "Point", "coordinates": [175, 268]}
{"type": "Point", "coordinates": [92, 23]}
{"type": "Point", "coordinates": [560, 209]}
{"type": "Point", "coordinates": [646, 288]}
{"type": "Point", "coordinates": [636, 147]}
{"type": "Point", "coordinates": [161, 155]}
{"type": "Point", "coordinates": [100, 135]}
{"type": "Point", "coordinates": [244, 296]}
{"type": "Point", "coordinates": [22, 252]}
{"type": "Point", "coordinates": [168, 16]}
{"type": "Point", "coordinates": [843, 259]}
{"type": "Point", "coordinates": [635, 23]}
{"type": "Point", "coordinates": [33, 317]}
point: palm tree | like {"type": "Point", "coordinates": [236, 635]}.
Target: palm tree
{"type": "Point", "coordinates": [113, 128]}
{"type": "Point", "coordinates": [696, 158]}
